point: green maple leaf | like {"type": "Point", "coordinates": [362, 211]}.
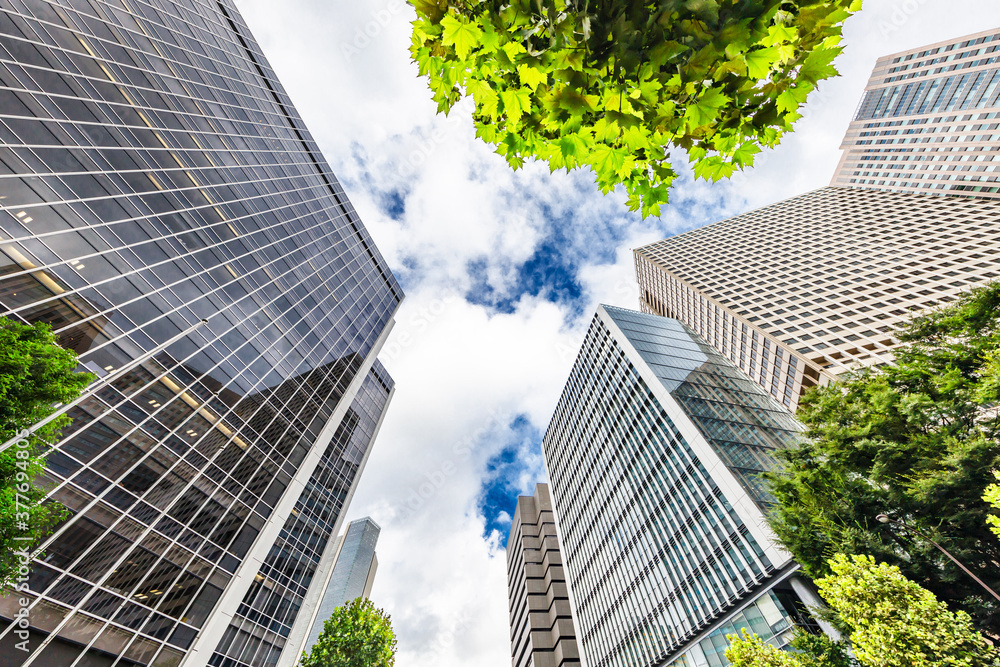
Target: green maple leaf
{"type": "Point", "coordinates": [791, 98]}
{"type": "Point", "coordinates": [777, 34]}
{"type": "Point", "coordinates": [606, 131]}
{"type": "Point", "coordinates": [485, 97]}
{"type": "Point", "coordinates": [743, 155]}
{"type": "Point", "coordinates": [531, 76]}
{"type": "Point", "coordinates": [573, 146]}
{"type": "Point", "coordinates": [608, 161]}
{"type": "Point", "coordinates": [490, 39]}
{"type": "Point", "coordinates": [461, 35]}
{"type": "Point", "coordinates": [817, 65]}
{"type": "Point", "coordinates": [516, 102]}
{"type": "Point", "coordinates": [636, 138]}
{"type": "Point", "coordinates": [512, 49]}
{"type": "Point", "coordinates": [705, 110]}
{"type": "Point", "coordinates": [760, 61]}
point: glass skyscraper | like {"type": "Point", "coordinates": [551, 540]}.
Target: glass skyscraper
{"type": "Point", "coordinates": [653, 457]}
{"type": "Point", "coordinates": [165, 209]}
{"type": "Point", "coordinates": [352, 574]}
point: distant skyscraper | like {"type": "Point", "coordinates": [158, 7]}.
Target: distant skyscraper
{"type": "Point", "coordinates": [351, 575]}
{"type": "Point", "coordinates": [165, 209]}
{"type": "Point", "coordinates": [929, 121]}
{"type": "Point", "coordinates": [653, 456]}
{"type": "Point", "coordinates": [800, 291]}
{"type": "Point", "coordinates": [541, 620]}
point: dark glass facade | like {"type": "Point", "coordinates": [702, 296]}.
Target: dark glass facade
{"type": "Point", "coordinates": [264, 620]}
{"type": "Point", "coordinates": [653, 455]}
{"type": "Point", "coordinates": [167, 212]}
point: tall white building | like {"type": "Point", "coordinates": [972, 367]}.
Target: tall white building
{"type": "Point", "coordinates": [929, 121]}
{"type": "Point", "coordinates": [653, 456]}
{"type": "Point", "coordinates": [798, 292]}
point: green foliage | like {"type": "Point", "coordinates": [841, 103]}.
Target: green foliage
{"type": "Point", "coordinates": [820, 650]}
{"type": "Point", "coordinates": [749, 650]}
{"type": "Point", "coordinates": [356, 635]}
{"type": "Point", "coordinates": [35, 374]}
{"type": "Point", "coordinates": [992, 496]}
{"type": "Point", "coordinates": [896, 623]}
{"type": "Point", "coordinates": [612, 85]}
{"type": "Point", "coordinates": [916, 440]}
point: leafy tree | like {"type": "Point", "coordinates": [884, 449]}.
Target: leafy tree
{"type": "Point", "coordinates": [613, 85]}
{"type": "Point", "coordinates": [35, 374]}
{"type": "Point", "coordinates": [819, 650]}
{"type": "Point", "coordinates": [356, 635]}
{"type": "Point", "coordinates": [992, 496]}
{"type": "Point", "coordinates": [896, 623]}
{"type": "Point", "coordinates": [916, 440]}
{"type": "Point", "coordinates": [749, 650]}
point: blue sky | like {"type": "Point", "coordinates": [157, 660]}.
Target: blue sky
{"type": "Point", "coordinates": [506, 474]}
{"type": "Point", "coordinates": [503, 271]}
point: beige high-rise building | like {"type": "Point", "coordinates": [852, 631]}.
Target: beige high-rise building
{"type": "Point", "coordinates": [798, 292]}
{"type": "Point", "coordinates": [541, 622]}
{"type": "Point", "coordinates": [929, 121]}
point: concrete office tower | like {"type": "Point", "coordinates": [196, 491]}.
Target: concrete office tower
{"type": "Point", "coordinates": [653, 455]}
{"type": "Point", "coordinates": [541, 620]}
{"type": "Point", "coordinates": [351, 575]}
{"type": "Point", "coordinates": [798, 292]}
{"type": "Point", "coordinates": [167, 212]}
{"type": "Point", "coordinates": [929, 121]}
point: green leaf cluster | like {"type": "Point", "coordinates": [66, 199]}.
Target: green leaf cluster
{"type": "Point", "coordinates": [356, 635]}
{"type": "Point", "coordinates": [613, 85]}
{"type": "Point", "coordinates": [809, 650]}
{"type": "Point", "coordinates": [749, 650]}
{"type": "Point", "coordinates": [917, 440]}
{"type": "Point", "coordinates": [889, 620]}
{"type": "Point", "coordinates": [36, 374]}
{"type": "Point", "coordinates": [819, 650]}
{"type": "Point", "coordinates": [992, 496]}
{"type": "Point", "coordinates": [894, 622]}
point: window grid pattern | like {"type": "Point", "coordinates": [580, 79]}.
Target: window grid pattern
{"type": "Point", "coordinates": [654, 550]}
{"type": "Point", "coordinates": [258, 633]}
{"type": "Point", "coordinates": [801, 291]}
{"type": "Point", "coordinates": [541, 619]}
{"type": "Point", "coordinates": [167, 212]}
{"type": "Point", "coordinates": [769, 617]}
{"type": "Point", "coordinates": [929, 122]}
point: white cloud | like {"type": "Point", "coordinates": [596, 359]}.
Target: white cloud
{"type": "Point", "coordinates": [464, 371]}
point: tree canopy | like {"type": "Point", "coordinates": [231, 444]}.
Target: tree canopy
{"type": "Point", "coordinates": [890, 622]}
{"type": "Point", "coordinates": [917, 440]}
{"type": "Point", "coordinates": [356, 635]}
{"type": "Point", "coordinates": [749, 650]}
{"type": "Point", "coordinates": [614, 85]}
{"type": "Point", "coordinates": [35, 375]}
{"type": "Point", "coordinates": [894, 622]}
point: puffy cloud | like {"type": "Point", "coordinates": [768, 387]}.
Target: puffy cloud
{"type": "Point", "coordinates": [502, 271]}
